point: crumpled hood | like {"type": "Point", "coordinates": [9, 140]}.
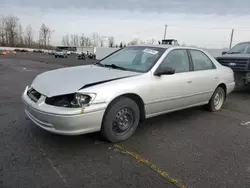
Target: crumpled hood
{"type": "Point", "coordinates": [69, 80]}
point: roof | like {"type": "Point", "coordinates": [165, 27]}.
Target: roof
{"type": "Point", "coordinates": [246, 42]}
{"type": "Point", "coordinates": [155, 45]}
{"type": "Point", "coordinates": [167, 46]}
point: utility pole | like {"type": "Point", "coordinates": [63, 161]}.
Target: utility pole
{"type": "Point", "coordinates": [165, 31]}
{"type": "Point", "coordinates": [231, 39]}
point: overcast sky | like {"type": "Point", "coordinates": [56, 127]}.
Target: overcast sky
{"type": "Point", "coordinates": [194, 22]}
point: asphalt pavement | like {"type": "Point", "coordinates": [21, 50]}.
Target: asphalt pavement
{"type": "Point", "coordinates": [190, 148]}
{"type": "Point", "coordinates": [45, 58]}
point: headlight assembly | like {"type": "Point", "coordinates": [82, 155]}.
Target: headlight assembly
{"type": "Point", "coordinates": [77, 100]}
{"type": "Point", "coordinates": [82, 100]}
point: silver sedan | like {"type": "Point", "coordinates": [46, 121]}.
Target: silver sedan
{"type": "Point", "coordinates": [125, 88]}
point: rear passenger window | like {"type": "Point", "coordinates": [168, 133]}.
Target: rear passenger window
{"type": "Point", "coordinates": [201, 61]}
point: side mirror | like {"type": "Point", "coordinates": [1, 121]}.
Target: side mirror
{"type": "Point", "coordinates": [164, 71]}
{"type": "Point", "coordinates": [223, 53]}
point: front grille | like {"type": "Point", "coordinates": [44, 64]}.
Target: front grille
{"type": "Point", "coordinates": [33, 95]}
{"type": "Point", "coordinates": [236, 65]}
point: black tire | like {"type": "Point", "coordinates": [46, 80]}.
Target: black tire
{"type": "Point", "coordinates": [55, 56]}
{"type": "Point", "coordinates": [213, 101]}
{"type": "Point", "coordinates": [121, 108]}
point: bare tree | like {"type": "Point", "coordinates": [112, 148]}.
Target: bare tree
{"type": "Point", "coordinates": [95, 39]}
{"type": "Point", "coordinates": [151, 41]}
{"type": "Point", "coordinates": [134, 42]}
{"type": "Point", "coordinates": [28, 36]}
{"type": "Point", "coordinates": [2, 31]}
{"type": "Point", "coordinates": [88, 41]}
{"type": "Point", "coordinates": [49, 37]}
{"type": "Point", "coordinates": [77, 40]}
{"type": "Point", "coordinates": [20, 37]}
{"type": "Point", "coordinates": [74, 39]}
{"type": "Point", "coordinates": [11, 30]}
{"type": "Point", "coordinates": [142, 42]}
{"type": "Point", "coordinates": [65, 40]}
{"type": "Point", "coordinates": [111, 41]}
{"type": "Point", "coordinates": [82, 41]}
{"type": "Point", "coordinates": [45, 35]}
{"type": "Point", "coordinates": [101, 41]}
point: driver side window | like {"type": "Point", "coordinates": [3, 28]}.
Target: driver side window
{"type": "Point", "coordinates": [178, 60]}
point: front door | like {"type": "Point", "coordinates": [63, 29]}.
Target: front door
{"type": "Point", "coordinates": [171, 92]}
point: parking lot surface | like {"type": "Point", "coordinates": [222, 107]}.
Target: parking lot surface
{"type": "Point", "coordinates": [45, 58]}
{"type": "Point", "coordinates": [189, 148]}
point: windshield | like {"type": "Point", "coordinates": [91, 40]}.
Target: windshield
{"type": "Point", "coordinates": [134, 58]}
{"type": "Point", "coordinates": [241, 48]}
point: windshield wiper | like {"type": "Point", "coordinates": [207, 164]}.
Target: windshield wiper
{"type": "Point", "coordinates": [112, 66]}
{"type": "Point", "coordinates": [99, 64]}
{"type": "Point", "coordinates": [115, 67]}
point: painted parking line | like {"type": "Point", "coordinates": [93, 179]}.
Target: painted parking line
{"type": "Point", "coordinates": [142, 160]}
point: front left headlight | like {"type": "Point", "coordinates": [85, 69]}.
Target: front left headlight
{"type": "Point", "coordinates": [77, 100]}
{"type": "Point", "coordinates": [83, 100]}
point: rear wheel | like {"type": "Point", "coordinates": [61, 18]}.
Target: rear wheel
{"type": "Point", "coordinates": [217, 100]}
{"type": "Point", "coordinates": [120, 120]}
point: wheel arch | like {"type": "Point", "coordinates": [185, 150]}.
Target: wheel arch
{"type": "Point", "coordinates": [224, 87]}
{"type": "Point", "coordinates": [135, 97]}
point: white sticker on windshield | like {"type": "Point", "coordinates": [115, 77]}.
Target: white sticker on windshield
{"type": "Point", "coordinates": [150, 51]}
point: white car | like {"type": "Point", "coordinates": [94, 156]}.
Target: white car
{"type": "Point", "coordinates": [61, 54]}
{"type": "Point", "coordinates": [125, 88]}
{"type": "Point", "coordinates": [69, 52]}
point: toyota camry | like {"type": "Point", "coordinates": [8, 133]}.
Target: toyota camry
{"type": "Point", "coordinates": [125, 88]}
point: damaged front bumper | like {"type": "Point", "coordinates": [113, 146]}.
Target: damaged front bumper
{"type": "Point", "coordinates": [61, 120]}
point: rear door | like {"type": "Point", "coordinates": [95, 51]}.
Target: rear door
{"type": "Point", "coordinates": [204, 76]}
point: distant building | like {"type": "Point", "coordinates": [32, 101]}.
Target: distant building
{"type": "Point", "coordinates": [170, 41]}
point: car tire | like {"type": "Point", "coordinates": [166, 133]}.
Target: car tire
{"type": "Point", "coordinates": [120, 120]}
{"type": "Point", "coordinates": [55, 56]}
{"type": "Point", "coordinates": [217, 100]}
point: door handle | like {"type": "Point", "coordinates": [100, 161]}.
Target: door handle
{"type": "Point", "coordinates": [189, 81]}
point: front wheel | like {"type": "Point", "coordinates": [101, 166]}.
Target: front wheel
{"type": "Point", "coordinates": [120, 120]}
{"type": "Point", "coordinates": [217, 100]}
